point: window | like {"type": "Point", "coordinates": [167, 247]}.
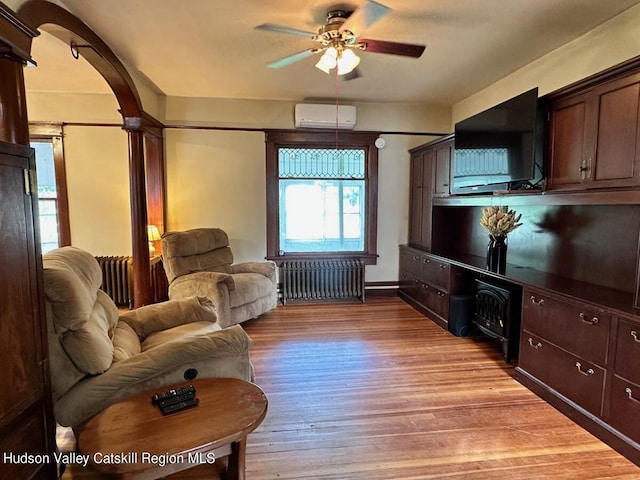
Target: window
{"type": "Point", "coordinates": [53, 208]}
{"type": "Point", "coordinates": [321, 197]}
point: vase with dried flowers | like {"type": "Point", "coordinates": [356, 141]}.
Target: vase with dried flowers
{"type": "Point", "coordinates": [499, 221]}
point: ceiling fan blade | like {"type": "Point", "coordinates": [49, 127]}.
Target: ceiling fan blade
{"type": "Point", "coordinates": [283, 62]}
{"type": "Point", "coordinates": [392, 48]}
{"type": "Point", "coordinates": [271, 27]}
{"type": "Point", "coordinates": [352, 75]}
{"type": "Point", "coordinates": [363, 17]}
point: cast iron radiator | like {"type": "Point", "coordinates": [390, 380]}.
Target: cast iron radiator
{"type": "Point", "coordinates": [323, 279]}
{"type": "Point", "coordinates": [117, 279]}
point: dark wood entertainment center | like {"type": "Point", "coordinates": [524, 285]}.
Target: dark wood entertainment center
{"type": "Point", "coordinates": [576, 257]}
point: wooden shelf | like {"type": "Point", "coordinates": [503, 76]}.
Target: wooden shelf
{"type": "Point", "coordinates": [542, 198]}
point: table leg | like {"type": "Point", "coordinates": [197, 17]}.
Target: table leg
{"type": "Point", "coordinates": [236, 467]}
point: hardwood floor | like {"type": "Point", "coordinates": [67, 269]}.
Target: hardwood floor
{"type": "Point", "coordinates": [377, 391]}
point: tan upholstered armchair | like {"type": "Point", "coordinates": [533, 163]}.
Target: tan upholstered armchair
{"type": "Point", "coordinates": [98, 356]}
{"type": "Point", "coordinates": [199, 262]}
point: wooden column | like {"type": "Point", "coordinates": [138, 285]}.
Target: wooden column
{"type": "Point", "coordinates": [142, 293]}
{"type": "Point", "coordinates": [14, 126]}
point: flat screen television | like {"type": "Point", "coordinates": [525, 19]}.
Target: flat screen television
{"type": "Point", "coordinates": [500, 148]}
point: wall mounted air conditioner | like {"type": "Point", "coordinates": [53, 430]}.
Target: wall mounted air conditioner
{"type": "Point", "coordinates": [313, 115]}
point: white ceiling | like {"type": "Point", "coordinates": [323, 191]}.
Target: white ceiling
{"type": "Point", "coordinates": [210, 48]}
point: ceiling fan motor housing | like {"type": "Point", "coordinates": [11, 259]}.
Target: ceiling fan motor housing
{"type": "Point", "coordinates": [331, 30]}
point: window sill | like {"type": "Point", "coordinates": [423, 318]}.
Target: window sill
{"type": "Point", "coordinates": [367, 258]}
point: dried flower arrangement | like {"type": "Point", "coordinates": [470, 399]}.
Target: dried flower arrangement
{"type": "Point", "coordinates": [499, 220]}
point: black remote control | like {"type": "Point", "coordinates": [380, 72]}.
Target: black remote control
{"type": "Point", "coordinates": [173, 393]}
{"type": "Point", "coordinates": [176, 399]}
{"type": "Point", "coordinates": [176, 407]}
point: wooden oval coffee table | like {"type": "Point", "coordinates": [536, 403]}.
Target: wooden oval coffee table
{"type": "Point", "coordinates": [134, 440]}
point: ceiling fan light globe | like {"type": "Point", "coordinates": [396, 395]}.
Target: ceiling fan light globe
{"type": "Point", "coordinates": [328, 60]}
{"type": "Point", "coordinates": [347, 62]}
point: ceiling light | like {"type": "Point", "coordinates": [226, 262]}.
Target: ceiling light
{"type": "Point", "coordinates": [328, 60]}
{"type": "Point", "coordinates": [343, 58]}
{"type": "Point", "coordinates": [347, 61]}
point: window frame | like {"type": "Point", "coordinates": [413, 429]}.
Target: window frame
{"type": "Point", "coordinates": [275, 139]}
{"type": "Point", "coordinates": [53, 132]}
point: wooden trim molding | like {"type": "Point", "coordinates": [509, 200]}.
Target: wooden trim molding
{"type": "Point", "coordinates": [38, 12]}
{"type": "Point", "coordinates": [54, 133]}
{"type": "Point", "coordinates": [275, 139]}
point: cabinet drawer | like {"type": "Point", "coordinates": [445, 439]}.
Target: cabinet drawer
{"type": "Point", "coordinates": [436, 273]}
{"type": "Point", "coordinates": [577, 379]}
{"type": "Point", "coordinates": [583, 331]}
{"type": "Point", "coordinates": [410, 261]}
{"type": "Point", "coordinates": [628, 351]}
{"type": "Point", "coordinates": [624, 411]}
{"type": "Point", "coordinates": [409, 285]}
{"type": "Point", "coordinates": [436, 300]}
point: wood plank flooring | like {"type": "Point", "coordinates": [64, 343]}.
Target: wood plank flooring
{"type": "Point", "coordinates": [377, 391]}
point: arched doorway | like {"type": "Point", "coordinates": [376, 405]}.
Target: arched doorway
{"type": "Point", "coordinates": [145, 134]}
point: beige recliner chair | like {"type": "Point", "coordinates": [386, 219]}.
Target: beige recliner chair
{"type": "Point", "coordinates": [199, 262]}
{"type": "Point", "coordinates": [98, 357]}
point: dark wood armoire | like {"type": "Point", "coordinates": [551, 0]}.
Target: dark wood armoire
{"type": "Point", "coordinates": [27, 428]}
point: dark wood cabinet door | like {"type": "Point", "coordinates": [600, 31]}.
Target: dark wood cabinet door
{"type": "Point", "coordinates": [442, 169]}
{"type": "Point", "coordinates": [427, 192]}
{"type": "Point", "coordinates": [26, 422]}
{"type": "Point", "coordinates": [617, 159]}
{"type": "Point", "coordinates": [568, 142]}
{"type": "Point", "coordinates": [594, 137]}
{"type": "Point", "coordinates": [415, 200]}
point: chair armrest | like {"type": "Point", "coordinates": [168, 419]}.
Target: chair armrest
{"type": "Point", "coordinates": [267, 268]}
{"type": "Point", "coordinates": [212, 285]}
{"type": "Point", "coordinates": [162, 316]}
{"type": "Point", "coordinates": [219, 354]}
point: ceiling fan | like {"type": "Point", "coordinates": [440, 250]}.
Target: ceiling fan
{"type": "Point", "coordinates": [338, 39]}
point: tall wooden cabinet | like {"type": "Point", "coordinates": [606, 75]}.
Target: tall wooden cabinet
{"type": "Point", "coordinates": [420, 198]}
{"type": "Point", "coordinates": [430, 177]}
{"type": "Point", "coordinates": [26, 419]}
{"type": "Point", "coordinates": [26, 422]}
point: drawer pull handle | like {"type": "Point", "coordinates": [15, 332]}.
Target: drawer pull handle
{"type": "Point", "coordinates": [634, 334]}
{"type": "Point", "coordinates": [536, 346]}
{"type": "Point", "coordinates": [593, 320]}
{"type": "Point", "coordinates": [587, 373]}
{"type": "Point", "coordinates": [443, 267]}
{"type": "Point", "coordinates": [630, 394]}
{"type": "Point", "coordinates": [537, 302]}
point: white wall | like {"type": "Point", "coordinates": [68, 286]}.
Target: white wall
{"type": "Point", "coordinates": [98, 184]}
{"type": "Point", "coordinates": [216, 179]}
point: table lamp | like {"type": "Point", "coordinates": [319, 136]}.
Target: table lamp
{"type": "Point", "coordinates": [154, 235]}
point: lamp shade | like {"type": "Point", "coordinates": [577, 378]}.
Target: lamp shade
{"type": "Point", "coordinates": [328, 60]}
{"type": "Point", "coordinates": [153, 233]}
{"type": "Point", "coordinates": [347, 61]}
